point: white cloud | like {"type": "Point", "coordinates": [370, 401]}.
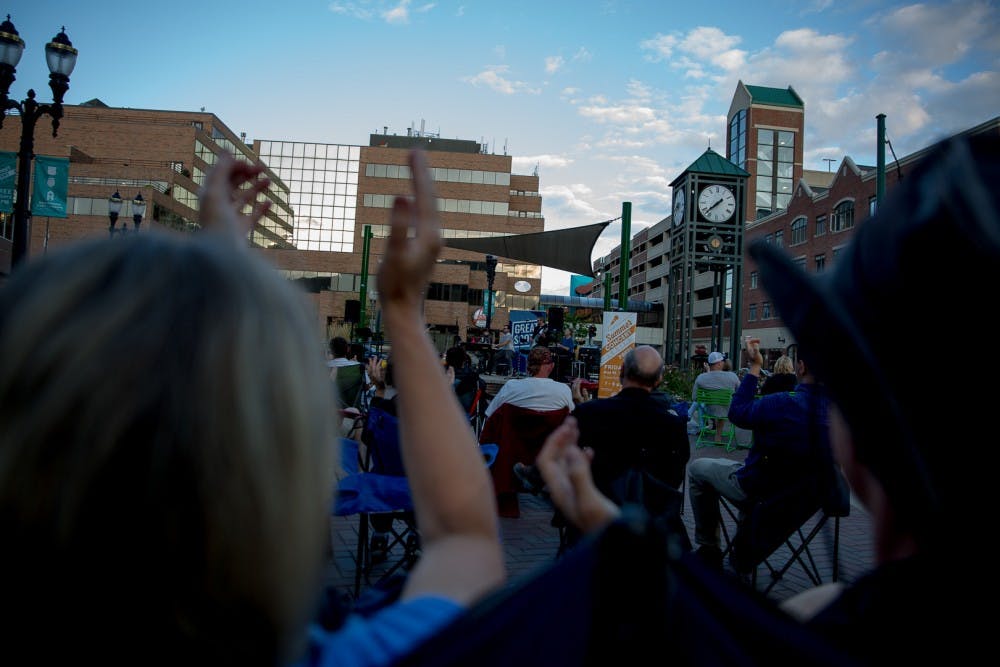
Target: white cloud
{"type": "Point", "coordinates": [527, 163]}
{"type": "Point", "coordinates": [389, 12]}
{"type": "Point", "coordinates": [661, 46]}
{"type": "Point", "coordinates": [582, 55]}
{"type": "Point", "coordinates": [493, 77]}
{"type": "Point", "coordinates": [553, 64]}
{"type": "Point", "coordinates": [398, 14]}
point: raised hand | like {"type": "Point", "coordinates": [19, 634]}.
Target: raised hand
{"type": "Point", "coordinates": [408, 262]}
{"type": "Point", "coordinates": [223, 197]}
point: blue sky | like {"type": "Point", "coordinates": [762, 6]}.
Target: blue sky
{"type": "Point", "coordinates": [609, 100]}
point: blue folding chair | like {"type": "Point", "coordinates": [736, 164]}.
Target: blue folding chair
{"type": "Point", "coordinates": [376, 484]}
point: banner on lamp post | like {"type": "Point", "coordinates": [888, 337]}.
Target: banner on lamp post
{"type": "Point", "coordinates": [8, 176]}
{"type": "Point", "coordinates": [51, 186]}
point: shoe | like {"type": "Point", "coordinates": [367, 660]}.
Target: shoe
{"type": "Point", "coordinates": [531, 480]}
{"type": "Point", "coordinates": [378, 548]}
{"type": "Point", "coordinates": [710, 556]}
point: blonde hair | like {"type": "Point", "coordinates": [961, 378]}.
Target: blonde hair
{"type": "Point", "coordinates": [166, 447]}
{"type": "Point", "coordinates": [784, 364]}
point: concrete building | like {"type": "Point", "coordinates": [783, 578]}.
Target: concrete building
{"type": "Point", "coordinates": [323, 197]}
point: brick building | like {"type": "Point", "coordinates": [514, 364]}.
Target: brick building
{"type": "Point", "coordinates": [323, 196]}
{"type": "Point", "coordinates": [812, 213]}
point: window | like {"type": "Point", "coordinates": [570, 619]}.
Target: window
{"type": "Point", "coordinates": [872, 206]}
{"type": "Point", "coordinates": [779, 238]}
{"type": "Point", "coordinates": [820, 263]}
{"type": "Point", "coordinates": [798, 231]}
{"type": "Point", "coordinates": [843, 217]}
{"type": "Point", "coordinates": [820, 225]}
{"type": "Point", "coordinates": [752, 314]}
{"type": "Point", "coordinates": [753, 280]}
{"type": "Point", "coordinates": [775, 170]}
{"type": "Point", "coordinates": [738, 139]}
{"type": "Point", "coordinates": [769, 238]}
{"type": "Point", "coordinates": [765, 310]}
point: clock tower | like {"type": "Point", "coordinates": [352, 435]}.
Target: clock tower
{"type": "Point", "coordinates": [706, 258]}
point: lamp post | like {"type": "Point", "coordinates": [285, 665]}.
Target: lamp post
{"type": "Point", "coordinates": [61, 59]}
{"type": "Point", "coordinates": [491, 274]}
{"type": "Point", "coordinates": [138, 210]}
{"type": "Point", "coordinates": [114, 208]}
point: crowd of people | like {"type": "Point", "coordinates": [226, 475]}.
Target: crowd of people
{"type": "Point", "coordinates": [167, 442]}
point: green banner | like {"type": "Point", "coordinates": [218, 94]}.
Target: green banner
{"type": "Point", "coordinates": [8, 176]}
{"type": "Point", "coordinates": [51, 186]}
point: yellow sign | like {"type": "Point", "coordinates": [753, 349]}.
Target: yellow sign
{"type": "Point", "coordinates": [619, 338]}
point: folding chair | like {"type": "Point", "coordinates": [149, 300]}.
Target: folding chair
{"type": "Point", "coordinates": [519, 433]}
{"type": "Point", "coordinates": [710, 398]}
{"type": "Point", "coordinates": [375, 484]}
{"type": "Point", "coordinates": [767, 525]}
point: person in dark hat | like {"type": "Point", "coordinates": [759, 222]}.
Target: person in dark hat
{"type": "Point", "coordinates": [934, 244]}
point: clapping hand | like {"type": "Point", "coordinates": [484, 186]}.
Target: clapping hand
{"type": "Point", "coordinates": [565, 467]}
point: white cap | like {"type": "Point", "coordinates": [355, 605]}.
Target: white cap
{"type": "Point", "coordinates": [715, 358]}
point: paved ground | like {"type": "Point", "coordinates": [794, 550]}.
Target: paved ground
{"type": "Point", "coordinates": [530, 543]}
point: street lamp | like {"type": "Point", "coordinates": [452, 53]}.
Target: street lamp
{"type": "Point", "coordinates": [114, 208]}
{"type": "Point", "coordinates": [491, 274]}
{"type": "Point", "coordinates": [138, 210]}
{"type": "Point", "coordinates": [61, 59]}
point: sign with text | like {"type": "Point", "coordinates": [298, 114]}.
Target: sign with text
{"type": "Point", "coordinates": [619, 338]}
{"type": "Point", "coordinates": [522, 325]}
{"type": "Point", "coordinates": [8, 176]}
{"type": "Point", "coordinates": [51, 186]}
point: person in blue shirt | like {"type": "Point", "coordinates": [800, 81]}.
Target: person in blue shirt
{"type": "Point", "coordinates": [783, 451]}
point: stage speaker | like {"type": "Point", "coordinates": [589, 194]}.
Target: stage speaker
{"type": "Point", "coordinates": [352, 311]}
{"type": "Point", "coordinates": [556, 320]}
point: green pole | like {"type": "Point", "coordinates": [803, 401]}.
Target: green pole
{"type": "Point", "coordinates": [626, 255]}
{"type": "Point", "coordinates": [880, 155]}
{"type": "Point", "coordinates": [363, 289]}
{"type": "Point", "coordinates": [607, 290]}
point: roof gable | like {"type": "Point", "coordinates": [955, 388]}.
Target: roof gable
{"type": "Point", "coordinates": [711, 162]}
{"type": "Point", "coordinates": [784, 97]}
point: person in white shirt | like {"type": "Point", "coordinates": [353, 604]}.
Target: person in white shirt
{"type": "Point", "coordinates": [538, 391]}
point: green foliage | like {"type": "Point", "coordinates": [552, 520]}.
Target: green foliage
{"type": "Point", "coordinates": [678, 383]}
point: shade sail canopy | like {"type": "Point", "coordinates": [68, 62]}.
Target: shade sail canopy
{"type": "Point", "coordinates": [563, 249]}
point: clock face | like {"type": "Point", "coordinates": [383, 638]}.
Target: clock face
{"type": "Point", "coordinates": [679, 207]}
{"type": "Point", "coordinates": [717, 203]}
{"type": "Point", "coordinates": [715, 243]}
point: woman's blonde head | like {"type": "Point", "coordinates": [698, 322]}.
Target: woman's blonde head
{"type": "Point", "coordinates": [165, 447]}
{"type": "Point", "coordinates": [784, 364]}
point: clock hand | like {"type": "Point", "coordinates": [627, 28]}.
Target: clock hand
{"type": "Point", "coordinates": [717, 202]}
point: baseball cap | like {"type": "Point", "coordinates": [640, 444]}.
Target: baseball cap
{"type": "Point", "coordinates": [716, 357]}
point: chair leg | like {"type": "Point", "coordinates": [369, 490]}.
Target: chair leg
{"type": "Point", "coordinates": [361, 561]}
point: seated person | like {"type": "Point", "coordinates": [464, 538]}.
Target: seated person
{"type": "Point", "coordinates": [538, 391]}
{"type": "Point", "coordinates": [782, 378]}
{"type": "Point", "coordinates": [715, 377]}
{"type": "Point", "coordinates": [633, 431]}
{"type": "Point", "coordinates": [785, 450]}
{"type": "Point", "coordinates": [465, 380]}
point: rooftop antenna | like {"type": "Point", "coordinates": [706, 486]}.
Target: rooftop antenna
{"type": "Point", "coordinates": [505, 145]}
{"type": "Point", "coordinates": [829, 161]}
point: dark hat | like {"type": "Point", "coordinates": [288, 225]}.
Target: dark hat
{"type": "Point", "coordinates": [914, 283]}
